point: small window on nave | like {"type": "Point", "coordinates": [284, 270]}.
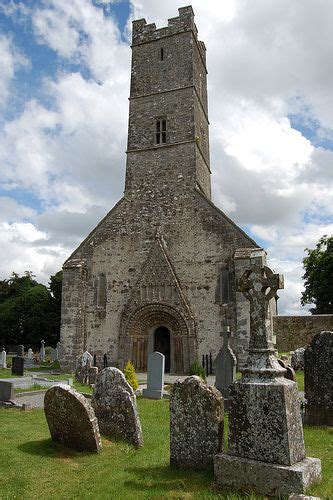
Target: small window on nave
{"type": "Point", "coordinates": [161, 54]}
{"type": "Point", "coordinates": [224, 286]}
{"type": "Point", "coordinates": [161, 131]}
{"type": "Point", "coordinates": [100, 291]}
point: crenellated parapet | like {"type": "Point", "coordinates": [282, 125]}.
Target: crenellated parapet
{"type": "Point", "coordinates": [143, 32]}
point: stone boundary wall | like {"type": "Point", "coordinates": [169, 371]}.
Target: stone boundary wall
{"type": "Point", "coordinates": [297, 331]}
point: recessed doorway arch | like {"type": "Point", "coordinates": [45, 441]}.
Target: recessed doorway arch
{"type": "Point", "coordinates": [139, 336]}
{"type": "Point", "coordinates": [162, 344]}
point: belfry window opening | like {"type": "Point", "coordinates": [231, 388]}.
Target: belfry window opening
{"type": "Point", "coordinates": [161, 130]}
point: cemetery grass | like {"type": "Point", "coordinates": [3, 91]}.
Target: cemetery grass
{"type": "Point", "coordinates": [32, 465]}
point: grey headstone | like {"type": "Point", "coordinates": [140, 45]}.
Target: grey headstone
{"type": "Point", "coordinates": [6, 391]}
{"type": "Point", "coordinates": [225, 364]}
{"type": "Point", "coordinates": [3, 359]}
{"type": "Point", "coordinates": [265, 438]}
{"type": "Point", "coordinates": [28, 361]}
{"type": "Point", "coordinates": [114, 403]}
{"type": "Point", "coordinates": [93, 374]}
{"type": "Point", "coordinates": [18, 366]}
{"type": "Point", "coordinates": [297, 359]}
{"type": "Point", "coordinates": [54, 354]}
{"type": "Point", "coordinates": [196, 423]}
{"type": "Point", "coordinates": [71, 419]}
{"type": "Point", "coordinates": [20, 350]}
{"type": "Point", "coordinates": [83, 365]}
{"type": "Point", "coordinates": [155, 376]}
{"type": "Point", "coordinates": [318, 376]}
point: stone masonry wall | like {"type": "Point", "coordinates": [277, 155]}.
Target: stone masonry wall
{"type": "Point", "coordinates": [297, 331]}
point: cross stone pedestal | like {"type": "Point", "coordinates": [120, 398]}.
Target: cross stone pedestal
{"type": "Point", "coordinates": [265, 440]}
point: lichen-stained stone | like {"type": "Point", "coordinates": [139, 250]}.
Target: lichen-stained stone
{"type": "Point", "coordinates": [115, 406]}
{"type": "Point", "coordinates": [297, 359]}
{"type": "Point", "coordinates": [83, 365]}
{"type": "Point", "coordinates": [71, 419]}
{"type": "Point", "coordinates": [318, 376]}
{"type": "Point", "coordinates": [262, 418]}
{"type": "Point", "coordinates": [196, 423]}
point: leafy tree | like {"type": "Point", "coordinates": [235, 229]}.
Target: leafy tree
{"type": "Point", "coordinates": [29, 312]}
{"type": "Point", "coordinates": [318, 266]}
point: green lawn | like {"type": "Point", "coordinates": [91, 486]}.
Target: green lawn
{"type": "Point", "coordinates": [33, 466]}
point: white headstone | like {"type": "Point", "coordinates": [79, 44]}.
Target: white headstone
{"type": "Point", "coordinates": [30, 353]}
{"type": "Point", "coordinates": [3, 357]}
{"type": "Point", "coordinates": [42, 350]}
{"type": "Point", "coordinates": [155, 376]}
{"type": "Point", "coordinates": [54, 354]}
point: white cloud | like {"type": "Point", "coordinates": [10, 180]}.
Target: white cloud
{"type": "Point", "coordinates": [266, 61]}
{"type": "Point", "coordinates": [11, 59]}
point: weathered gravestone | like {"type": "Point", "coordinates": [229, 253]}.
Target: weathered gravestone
{"type": "Point", "coordinates": [196, 423]}
{"type": "Point", "coordinates": [155, 376]}
{"type": "Point", "coordinates": [28, 361]}
{"type": "Point", "coordinates": [71, 419]}
{"type": "Point", "coordinates": [265, 440]}
{"type": "Point", "coordinates": [54, 354]}
{"type": "Point", "coordinates": [18, 366]}
{"type": "Point", "coordinates": [225, 366]}
{"type": "Point", "coordinates": [114, 403]}
{"type": "Point", "coordinates": [297, 359]}
{"type": "Point", "coordinates": [318, 377]}
{"type": "Point", "coordinates": [20, 350]}
{"type": "Point", "coordinates": [42, 350]}
{"type": "Point", "coordinates": [6, 391]}
{"type": "Point", "coordinates": [83, 365]}
{"type": "Point", "coordinates": [93, 374]}
{"type": "Point", "coordinates": [3, 359]}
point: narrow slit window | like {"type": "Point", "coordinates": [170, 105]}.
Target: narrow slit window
{"type": "Point", "coordinates": [161, 131]}
{"type": "Point", "coordinates": [101, 290]}
{"type": "Point", "coordinates": [161, 54]}
{"type": "Point", "coordinates": [224, 286]}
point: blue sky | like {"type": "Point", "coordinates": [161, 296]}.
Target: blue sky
{"type": "Point", "coordinates": [64, 84]}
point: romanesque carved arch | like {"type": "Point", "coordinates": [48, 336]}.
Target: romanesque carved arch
{"type": "Point", "coordinates": [136, 342]}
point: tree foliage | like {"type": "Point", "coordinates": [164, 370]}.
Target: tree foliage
{"type": "Point", "coordinates": [318, 277]}
{"type": "Point", "coordinates": [29, 311]}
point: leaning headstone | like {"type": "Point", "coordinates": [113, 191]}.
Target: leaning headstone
{"type": "Point", "coordinates": [3, 359]}
{"type": "Point", "coordinates": [297, 359]}
{"type": "Point", "coordinates": [114, 403]}
{"type": "Point", "coordinates": [318, 376]}
{"type": "Point", "coordinates": [265, 440]}
{"type": "Point", "coordinates": [155, 376]}
{"type": "Point", "coordinates": [196, 423]}
{"type": "Point", "coordinates": [83, 365]}
{"type": "Point", "coordinates": [6, 391]}
{"type": "Point", "coordinates": [20, 350]}
{"type": "Point", "coordinates": [71, 419]}
{"type": "Point", "coordinates": [18, 366]}
{"type": "Point", "coordinates": [225, 366]}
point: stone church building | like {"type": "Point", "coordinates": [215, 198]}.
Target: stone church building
{"type": "Point", "coordinates": [159, 271]}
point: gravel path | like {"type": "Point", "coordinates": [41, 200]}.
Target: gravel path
{"type": "Point", "coordinates": [32, 400]}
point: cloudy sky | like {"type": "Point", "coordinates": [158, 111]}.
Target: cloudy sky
{"type": "Point", "coordinates": [64, 84]}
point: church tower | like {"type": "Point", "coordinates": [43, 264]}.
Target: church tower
{"type": "Point", "coordinates": [159, 271]}
{"type": "Point", "coordinates": [168, 115]}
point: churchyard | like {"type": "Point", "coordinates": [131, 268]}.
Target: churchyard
{"type": "Point", "coordinates": [31, 464]}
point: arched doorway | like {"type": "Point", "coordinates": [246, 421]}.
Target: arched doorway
{"type": "Point", "coordinates": [162, 345]}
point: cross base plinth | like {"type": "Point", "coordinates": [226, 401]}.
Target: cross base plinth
{"type": "Point", "coordinates": [266, 478]}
